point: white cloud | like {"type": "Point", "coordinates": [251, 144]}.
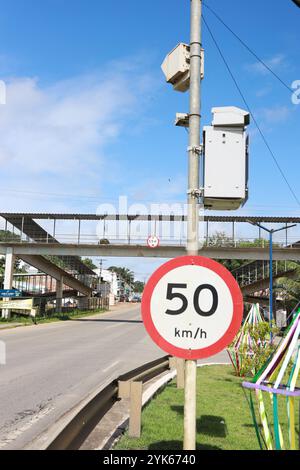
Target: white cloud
{"type": "Point", "coordinates": [55, 139]}
{"type": "Point", "coordinates": [160, 189]}
{"type": "Point", "coordinates": [274, 63]}
{"type": "Point", "coordinates": [276, 114]}
{"type": "Point", "coordinates": [263, 92]}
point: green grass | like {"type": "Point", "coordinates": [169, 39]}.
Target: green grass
{"type": "Point", "coordinates": [53, 318]}
{"type": "Point", "coordinates": [223, 416]}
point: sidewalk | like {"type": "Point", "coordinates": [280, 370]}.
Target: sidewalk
{"type": "Point", "coordinates": [5, 326]}
{"type": "Point", "coordinates": [118, 308]}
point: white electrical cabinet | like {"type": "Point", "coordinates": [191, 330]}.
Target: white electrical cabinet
{"type": "Point", "coordinates": [226, 158]}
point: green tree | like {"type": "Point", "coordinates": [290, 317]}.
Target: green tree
{"type": "Point", "coordinates": [288, 287]}
{"type": "Point", "coordinates": [6, 235]}
{"type": "Point", "coordinates": [126, 274]}
{"type": "Point", "coordinates": [59, 262]}
{"type": "Point", "coordinates": [2, 267]}
{"type": "Point", "coordinates": [104, 241]}
{"type": "Point", "coordinates": [220, 239]}
{"type": "Point", "coordinates": [89, 263]}
{"type": "Point", "coordinates": [138, 287]}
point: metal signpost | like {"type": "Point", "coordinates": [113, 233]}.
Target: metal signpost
{"type": "Point", "coordinates": [194, 151]}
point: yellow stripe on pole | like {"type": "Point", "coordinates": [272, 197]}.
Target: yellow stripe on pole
{"type": "Point", "coordinates": [264, 420]}
{"type": "Point", "coordinates": [282, 444]}
{"type": "Point", "coordinates": [292, 433]}
{"type": "Point", "coordinates": [295, 375]}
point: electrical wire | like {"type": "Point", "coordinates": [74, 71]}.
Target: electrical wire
{"type": "Point", "coordinates": [251, 113]}
{"type": "Point", "coordinates": [248, 48]}
{"type": "Point", "coordinates": [22, 193]}
{"type": "Point", "coordinates": [39, 193]}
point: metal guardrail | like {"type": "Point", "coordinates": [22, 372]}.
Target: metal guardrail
{"type": "Point", "coordinates": [177, 240]}
{"type": "Point", "coordinates": [250, 273]}
{"type": "Point", "coordinates": [81, 425]}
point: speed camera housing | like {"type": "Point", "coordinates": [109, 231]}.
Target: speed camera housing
{"type": "Point", "coordinates": [226, 159]}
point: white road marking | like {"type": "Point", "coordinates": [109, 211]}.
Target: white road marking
{"type": "Point", "coordinates": [111, 366]}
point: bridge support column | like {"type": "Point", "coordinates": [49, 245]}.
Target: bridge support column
{"type": "Point", "coordinates": [59, 294]}
{"type": "Point", "coordinates": [8, 276]}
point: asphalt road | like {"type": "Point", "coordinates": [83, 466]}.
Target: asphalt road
{"type": "Point", "coordinates": [50, 368]}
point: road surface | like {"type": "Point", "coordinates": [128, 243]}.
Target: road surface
{"type": "Point", "coordinates": [50, 368]}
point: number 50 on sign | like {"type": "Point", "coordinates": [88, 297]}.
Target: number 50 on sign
{"type": "Point", "coordinates": [192, 307]}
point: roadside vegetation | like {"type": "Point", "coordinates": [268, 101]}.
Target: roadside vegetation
{"type": "Point", "coordinates": [254, 353]}
{"type": "Point", "coordinates": [56, 317]}
{"type": "Point", "coordinates": [223, 416]}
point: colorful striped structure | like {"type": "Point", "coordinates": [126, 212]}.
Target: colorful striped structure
{"type": "Point", "coordinates": [243, 343]}
{"type": "Point", "coordinates": [279, 378]}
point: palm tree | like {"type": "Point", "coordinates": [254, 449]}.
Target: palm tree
{"type": "Point", "coordinates": [126, 274]}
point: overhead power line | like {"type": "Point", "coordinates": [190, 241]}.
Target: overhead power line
{"type": "Point", "coordinates": [251, 113]}
{"type": "Point", "coordinates": [262, 62]}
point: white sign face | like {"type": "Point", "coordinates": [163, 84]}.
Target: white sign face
{"type": "Point", "coordinates": [191, 330]}
{"type": "Point", "coordinates": [194, 309]}
{"type": "Point", "coordinates": [153, 241]}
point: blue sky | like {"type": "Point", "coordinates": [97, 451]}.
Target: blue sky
{"type": "Point", "coordinates": [89, 116]}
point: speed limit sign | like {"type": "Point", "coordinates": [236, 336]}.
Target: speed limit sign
{"type": "Point", "coordinates": [153, 241]}
{"type": "Point", "coordinates": [192, 307]}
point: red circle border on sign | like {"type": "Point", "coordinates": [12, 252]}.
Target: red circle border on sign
{"type": "Point", "coordinates": [237, 299]}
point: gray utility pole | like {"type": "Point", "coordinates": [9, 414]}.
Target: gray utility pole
{"type": "Point", "coordinates": [100, 275]}
{"type": "Point", "coordinates": [194, 153]}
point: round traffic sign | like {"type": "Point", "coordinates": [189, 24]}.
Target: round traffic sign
{"type": "Point", "coordinates": [192, 307]}
{"type": "Point", "coordinates": [153, 241]}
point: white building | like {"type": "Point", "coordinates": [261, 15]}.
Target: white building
{"type": "Point", "coordinates": [109, 285]}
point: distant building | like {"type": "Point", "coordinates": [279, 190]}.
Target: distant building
{"type": "Point", "coordinates": [113, 284]}
{"type": "Point", "coordinates": [109, 284]}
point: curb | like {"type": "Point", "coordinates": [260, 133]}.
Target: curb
{"type": "Point", "coordinates": [11, 327]}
